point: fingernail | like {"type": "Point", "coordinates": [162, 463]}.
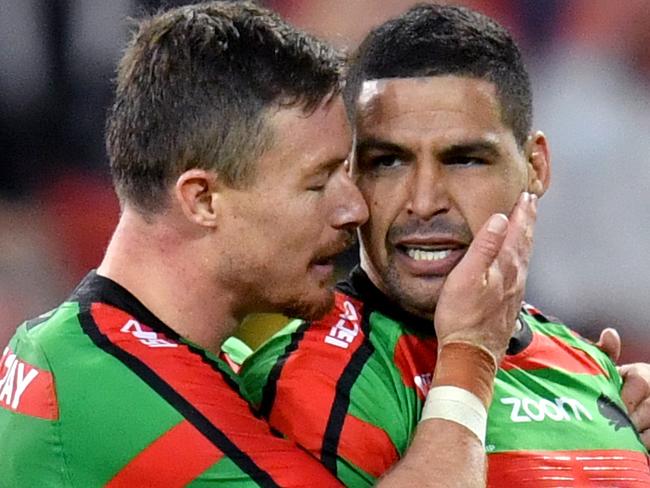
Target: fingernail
{"type": "Point", "coordinates": [525, 197]}
{"type": "Point", "coordinates": [498, 224]}
{"type": "Point", "coordinates": [533, 200]}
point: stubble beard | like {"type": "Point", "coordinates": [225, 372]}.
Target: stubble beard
{"type": "Point", "coordinates": [410, 296]}
{"type": "Point", "coordinates": [309, 309]}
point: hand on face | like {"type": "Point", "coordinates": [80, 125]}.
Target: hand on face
{"type": "Point", "coordinates": [481, 298]}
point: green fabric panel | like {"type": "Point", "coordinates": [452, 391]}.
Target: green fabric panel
{"type": "Point", "coordinates": [351, 476]}
{"type": "Point", "coordinates": [31, 452]}
{"type": "Point", "coordinates": [255, 370]}
{"type": "Point", "coordinates": [554, 410]}
{"type": "Point", "coordinates": [223, 473]}
{"type": "Point", "coordinates": [29, 336]}
{"type": "Point", "coordinates": [236, 349]}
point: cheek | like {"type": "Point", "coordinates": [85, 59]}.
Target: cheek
{"type": "Point", "coordinates": [303, 227]}
{"type": "Point", "coordinates": [387, 199]}
{"type": "Point", "coordinates": [485, 199]}
{"type": "Point", "coordinates": [375, 231]}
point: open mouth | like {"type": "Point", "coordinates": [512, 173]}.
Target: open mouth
{"type": "Point", "coordinates": [425, 254]}
{"type": "Point", "coordinates": [430, 259]}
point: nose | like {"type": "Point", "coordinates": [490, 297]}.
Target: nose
{"type": "Point", "coordinates": [350, 210]}
{"type": "Point", "coordinates": [428, 194]}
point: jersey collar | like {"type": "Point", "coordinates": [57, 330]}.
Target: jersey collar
{"type": "Point", "coordinates": [96, 288]}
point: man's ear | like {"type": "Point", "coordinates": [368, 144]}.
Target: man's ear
{"type": "Point", "coordinates": [538, 163]}
{"type": "Point", "coordinates": [196, 191]}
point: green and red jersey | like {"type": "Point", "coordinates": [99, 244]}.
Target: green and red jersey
{"type": "Point", "coordinates": [350, 389]}
{"type": "Point", "coordinates": [100, 392]}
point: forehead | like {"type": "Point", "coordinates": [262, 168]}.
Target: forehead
{"type": "Point", "coordinates": [454, 105]}
{"type": "Point", "coordinates": [303, 140]}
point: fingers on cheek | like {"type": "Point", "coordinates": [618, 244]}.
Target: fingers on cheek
{"type": "Point", "coordinates": [526, 214]}
{"type": "Point", "coordinates": [510, 266]}
{"type": "Point", "coordinates": [521, 282]}
{"type": "Point", "coordinates": [493, 278]}
{"type": "Point", "coordinates": [489, 245]}
{"type": "Point", "coordinates": [528, 237]}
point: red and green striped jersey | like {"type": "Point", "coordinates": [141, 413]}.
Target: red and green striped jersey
{"type": "Point", "coordinates": [100, 392]}
{"type": "Point", "coordinates": [350, 388]}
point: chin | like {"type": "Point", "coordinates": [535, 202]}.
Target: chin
{"type": "Point", "coordinates": [417, 296]}
{"type": "Point", "coordinates": [424, 307]}
{"type": "Point", "coordinates": [310, 307]}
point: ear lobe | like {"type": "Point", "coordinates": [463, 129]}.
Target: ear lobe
{"type": "Point", "coordinates": [196, 192]}
{"type": "Point", "coordinates": [539, 164]}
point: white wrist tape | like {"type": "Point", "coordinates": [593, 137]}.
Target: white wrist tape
{"type": "Point", "coordinates": [456, 405]}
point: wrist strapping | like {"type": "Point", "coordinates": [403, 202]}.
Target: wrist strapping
{"type": "Point", "coordinates": [456, 405]}
{"type": "Point", "coordinates": [467, 366]}
{"type": "Point", "coordinates": [462, 386]}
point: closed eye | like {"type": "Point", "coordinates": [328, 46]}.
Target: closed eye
{"type": "Point", "coordinates": [316, 188]}
{"type": "Point", "coordinates": [318, 182]}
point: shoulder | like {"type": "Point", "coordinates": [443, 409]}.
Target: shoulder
{"type": "Point", "coordinates": [556, 345]}
{"type": "Point", "coordinates": [26, 370]}
{"type": "Point", "coordinates": [557, 330]}
{"type": "Point", "coordinates": [29, 404]}
{"type": "Point", "coordinates": [47, 330]}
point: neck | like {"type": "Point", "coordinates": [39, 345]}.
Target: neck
{"type": "Point", "coordinates": [163, 266]}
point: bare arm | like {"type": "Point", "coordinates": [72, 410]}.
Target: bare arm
{"type": "Point", "coordinates": [478, 306]}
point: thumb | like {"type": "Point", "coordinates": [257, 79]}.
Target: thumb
{"type": "Point", "coordinates": [486, 246]}
{"type": "Point", "coordinates": [610, 343]}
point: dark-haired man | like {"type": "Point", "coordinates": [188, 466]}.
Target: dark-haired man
{"type": "Point", "coordinates": [227, 140]}
{"type": "Point", "coordinates": [442, 107]}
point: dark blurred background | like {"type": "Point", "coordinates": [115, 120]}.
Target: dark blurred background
{"type": "Point", "coordinates": [590, 64]}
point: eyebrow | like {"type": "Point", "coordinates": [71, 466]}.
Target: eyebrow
{"type": "Point", "coordinates": [330, 164]}
{"type": "Point", "coordinates": [370, 143]}
{"type": "Point", "coordinates": [462, 149]}
{"type": "Point", "coordinates": [471, 147]}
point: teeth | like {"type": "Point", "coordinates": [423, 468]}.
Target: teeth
{"type": "Point", "coordinates": [422, 255]}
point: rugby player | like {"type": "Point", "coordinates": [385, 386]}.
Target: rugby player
{"type": "Point", "coordinates": [228, 142]}
{"type": "Point", "coordinates": [443, 140]}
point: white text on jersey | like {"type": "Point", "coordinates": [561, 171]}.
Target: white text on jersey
{"type": "Point", "coordinates": [147, 337]}
{"type": "Point", "coordinates": [17, 378]}
{"type": "Point", "coordinates": [558, 410]}
{"type": "Point", "coordinates": [346, 329]}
